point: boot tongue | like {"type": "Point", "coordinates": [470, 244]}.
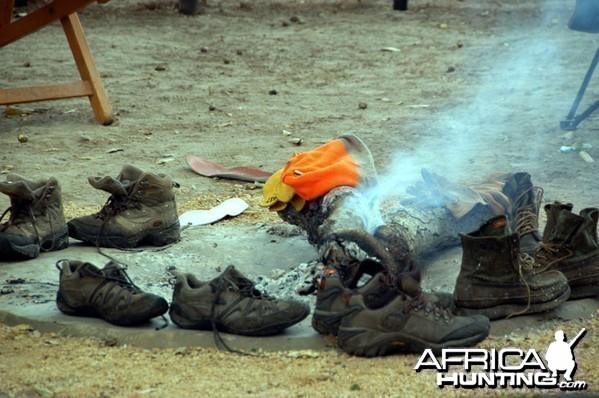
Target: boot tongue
{"type": "Point", "coordinates": [518, 189]}
{"type": "Point", "coordinates": [233, 277]}
{"type": "Point", "coordinates": [108, 184]}
{"type": "Point", "coordinates": [409, 282]}
{"type": "Point", "coordinates": [18, 189]}
{"type": "Point", "coordinates": [566, 226]}
{"type": "Point", "coordinates": [129, 173]}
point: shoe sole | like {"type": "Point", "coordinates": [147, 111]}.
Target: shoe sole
{"type": "Point", "coordinates": [504, 310]}
{"type": "Point", "coordinates": [160, 307]}
{"type": "Point", "coordinates": [33, 249]}
{"type": "Point", "coordinates": [184, 321]}
{"type": "Point", "coordinates": [373, 343]}
{"type": "Point", "coordinates": [162, 237]}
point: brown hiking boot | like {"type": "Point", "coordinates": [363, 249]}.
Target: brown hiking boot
{"type": "Point", "coordinates": [334, 294]}
{"type": "Point", "coordinates": [108, 293]}
{"type": "Point", "coordinates": [230, 303]}
{"type": "Point", "coordinates": [36, 221]}
{"type": "Point", "coordinates": [572, 248]}
{"type": "Point", "coordinates": [407, 324]}
{"type": "Point", "coordinates": [497, 280]}
{"type": "Point", "coordinates": [141, 209]}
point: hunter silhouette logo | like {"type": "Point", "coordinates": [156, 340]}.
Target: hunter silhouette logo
{"type": "Point", "coordinates": [506, 367]}
{"type": "Point", "coordinates": [560, 354]}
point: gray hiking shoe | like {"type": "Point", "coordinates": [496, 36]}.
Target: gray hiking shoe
{"type": "Point", "coordinates": [36, 221]}
{"type": "Point", "coordinates": [497, 280]}
{"type": "Point", "coordinates": [409, 323]}
{"type": "Point", "coordinates": [570, 246]}
{"type": "Point", "coordinates": [141, 209]}
{"type": "Point", "coordinates": [230, 303]}
{"type": "Point", "coordinates": [107, 293]}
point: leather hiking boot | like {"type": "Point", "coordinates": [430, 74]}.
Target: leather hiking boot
{"type": "Point", "coordinates": [523, 210]}
{"type": "Point", "coordinates": [36, 221]}
{"type": "Point", "coordinates": [409, 323]}
{"type": "Point", "coordinates": [497, 280]}
{"type": "Point", "coordinates": [572, 249]}
{"type": "Point", "coordinates": [107, 293]}
{"type": "Point", "coordinates": [230, 303]}
{"type": "Point", "coordinates": [141, 209]}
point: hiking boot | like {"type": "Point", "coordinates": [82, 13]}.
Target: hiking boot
{"type": "Point", "coordinates": [107, 293]}
{"type": "Point", "coordinates": [36, 221]}
{"type": "Point", "coordinates": [572, 249]}
{"type": "Point", "coordinates": [410, 323]}
{"type": "Point", "coordinates": [334, 293]}
{"type": "Point", "coordinates": [522, 210]}
{"type": "Point", "coordinates": [552, 211]}
{"type": "Point", "coordinates": [230, 303]}
{"type": "Point", "coordinates": [141, 209]}
{"type": "Point", "coordinates": [497, 280]}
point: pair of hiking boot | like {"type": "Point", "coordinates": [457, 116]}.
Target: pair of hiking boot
{"type": "Point", "coordinates": [228, 303]}
{"type": "Point", "coordinates": [499, 279]}
{"type": "Point", "coordinates": [373, 311]}
{"type": "Point", "coordinates": [141, 209]}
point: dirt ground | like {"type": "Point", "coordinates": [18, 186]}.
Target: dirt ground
{"type": "Point", "coordinates": [465, 88]}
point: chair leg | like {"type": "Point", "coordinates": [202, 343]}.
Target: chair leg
{"type": "Point", "coordinates": [87, 68]}
{"type": "Point", "coordinates": [573, 120]}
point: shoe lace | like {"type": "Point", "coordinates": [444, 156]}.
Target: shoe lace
{"type": "Point", "coordinates": [419, 301]}
{"type": "Point", "coordinates": [527, 219]}
{"type": "Point", "coordinates": [549, 254]}
{"type": "Point", "coordinates": [20, 214]}
{"type": "Point", "coordinates": [526, 264]}
{"type": "Point", "coordinates": [247, 289]}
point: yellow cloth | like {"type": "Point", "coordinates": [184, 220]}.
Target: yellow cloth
{"type": "Point", "coordinates": [277, 194]}
{"type": "Point", "coordinates": [275, 190]}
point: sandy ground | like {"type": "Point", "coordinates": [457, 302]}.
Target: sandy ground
{"type": "Point", "coordinates": [465, 88]}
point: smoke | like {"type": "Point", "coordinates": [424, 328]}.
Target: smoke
{"type": "Point", "coordinates": [470, 140]}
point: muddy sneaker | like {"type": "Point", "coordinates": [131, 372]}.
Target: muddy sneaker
{"type": "Point", "coordinates": [497, 280]}
{"type": "Point", "coordinates": [107, 293]}
{"type": "Point", "coordinates": [36, 222]}
{"type": "Point", "coordinates": [333, 297]}
{"type": "Point", "coordinates": [571, 248]}
{"type": "Point", "coordinates": [370, 282]}
{"type": "Point", "coordinates": [407, 324]}
{"type": "Point", "coordinates": [230, 303]}
{"type": "Point", "coordinates": [141, 209]}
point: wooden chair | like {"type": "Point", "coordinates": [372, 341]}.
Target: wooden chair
{"type": "Point", "coordinates": [90, 84]}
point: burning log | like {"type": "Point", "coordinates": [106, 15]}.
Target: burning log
{"type": "Point", "coordinates": [346, 226]}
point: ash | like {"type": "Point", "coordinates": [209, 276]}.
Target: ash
{"type": "Point", "coordinates": [300, 283]}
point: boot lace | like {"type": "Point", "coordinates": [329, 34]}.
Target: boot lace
{"type": "Point", "coordinates": [419, 301]}
{"type": "Point", "coordinates": [246, 288]}
{"type": "Point", "coordinates": [526, 264]}
{"type": "Point", "coordinates": [21, 214]}
{"type": "Point", "coordinates": [551, 253]}
{"type": "Point", "coordinates": [527, 219]}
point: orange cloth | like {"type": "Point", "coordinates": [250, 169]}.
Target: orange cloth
{"type": "Point", "coordinates": [314, 173]}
